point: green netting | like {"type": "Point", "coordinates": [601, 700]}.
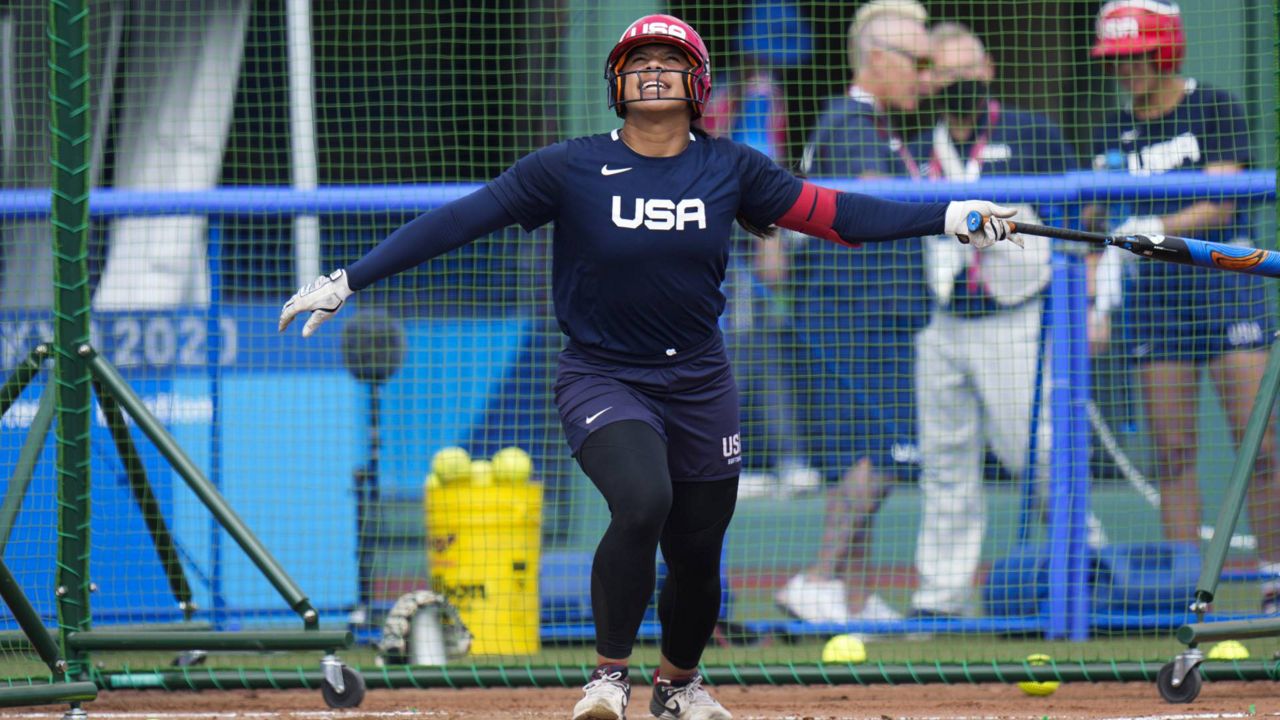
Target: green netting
{"type": "Point", "coordinates": [237, 149]}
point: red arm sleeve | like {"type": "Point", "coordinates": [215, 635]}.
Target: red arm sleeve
{"type": "Point", "coordinates": [853, 218]}
{"type": "Point", "coordinates": [814, 213]}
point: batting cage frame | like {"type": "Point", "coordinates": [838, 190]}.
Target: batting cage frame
{"type": "Point", "coordinates": [77, 369]}
{"type": "Point", "coordinates": [81, 373]}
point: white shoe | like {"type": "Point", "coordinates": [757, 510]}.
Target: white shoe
{"type": "Point", "coordinates": [756, 485]}
{"type": "Point", "coordinates": [814, 600]}
{"type": "Point", "coordinates": [685, 702]}
{"type": "Point", "coordinates": [606, 697]}
{"type": "Point", "coordinates": [876, 609]}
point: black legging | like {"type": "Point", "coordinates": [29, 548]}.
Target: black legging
{"type": "Point", "coordinates": [627, 462]}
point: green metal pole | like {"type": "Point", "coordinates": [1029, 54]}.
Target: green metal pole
{"type": "Point", "coordinates": [29, 620]}
{"type": "Point", "coordinates": [21, 377]}
{"type": "Point", "coordinates": [26, 467]}
{"type": "Point", "coordinates": [17, 641]}
{"type": "Point", "coordinates": [1224, 528]}
{"type": "Point", "coordinates": [1233, 503]}
{"type": "Point", "coordinates": [257, 640]}
{"type": "Point", "coordinates": [1241, 473]}
{"type": "Point", "coordinates": [76, 692]}
{"type": "Point", "coordinates": [1228, 630]}
{"type": "Point", "coordinates": [208, 494]}
{"type": "Point", "coordinates": [69, 217]}
{"type": "Point", "coordinates": [145, 497]}
{"type": "Point", "coordinates": [1237, 487]}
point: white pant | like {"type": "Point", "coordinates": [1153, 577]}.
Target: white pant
{"type": "Point", "coordinates": [975, 382]}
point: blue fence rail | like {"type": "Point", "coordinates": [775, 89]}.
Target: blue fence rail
{"type": "Point", "coordinates": [1078, 187]}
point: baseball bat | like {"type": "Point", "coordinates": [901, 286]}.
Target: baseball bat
{"type": "Point", "coordinates": [1167, 248]}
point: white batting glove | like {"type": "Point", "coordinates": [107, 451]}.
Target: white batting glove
{"type": "Point", "coordinates": [994, 227]}
{"type": "Point", "coordinates": [1141, 225]}
{"type": "Point", "coordinates": [322, 297]}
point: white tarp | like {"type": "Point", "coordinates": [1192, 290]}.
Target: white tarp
{"type": "Point", "coordinates": [174, 66]}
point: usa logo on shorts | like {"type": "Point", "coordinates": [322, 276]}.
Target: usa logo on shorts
{"type": "Point", "coordinates": [731, 448]}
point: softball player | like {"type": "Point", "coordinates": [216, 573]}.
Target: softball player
{"type": "Point", "coordinates": [1178, 320]}
{"type": "Point", "coordinates": [648, 403]}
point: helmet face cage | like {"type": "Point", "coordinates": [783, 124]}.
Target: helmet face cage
{"type": "Point", "coordinates": [1142, 27]}
{"type": "Point", "coordinates": [669, 30]}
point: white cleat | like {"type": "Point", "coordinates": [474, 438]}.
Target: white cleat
{"type": "Point", "coordinates": [606, 698]}
{"type": "Point", "coordinates": [685, 702]}
{"type": "Point", "coordinates": [814, 600]}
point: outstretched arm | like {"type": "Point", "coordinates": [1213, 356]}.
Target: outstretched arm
{"type": "Point", "coordinates": [852, 218]}
{"type": "Point", "coordinates": [434, 233]}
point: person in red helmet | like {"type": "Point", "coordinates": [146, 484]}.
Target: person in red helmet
{"type": "Point", "coordinates": [643, 221]}
{"type": "Point", "coordinates": [1177, 322]}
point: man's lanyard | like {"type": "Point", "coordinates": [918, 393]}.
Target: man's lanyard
{"type": "Point", "coordinates": [972, 169]}
{"type": "Point", "coordinates": [887, 134]}
{"type": "Point", "coordinates": [944, 164]}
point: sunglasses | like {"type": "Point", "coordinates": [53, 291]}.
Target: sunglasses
{"type": "Point", "coordinates": [922, 63]}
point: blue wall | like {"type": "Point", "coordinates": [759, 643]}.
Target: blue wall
{"type": "Point", "coordinates": [293, 428]}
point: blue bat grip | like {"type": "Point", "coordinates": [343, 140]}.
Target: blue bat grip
{"type": "Point", "coordinates": [974, 221]}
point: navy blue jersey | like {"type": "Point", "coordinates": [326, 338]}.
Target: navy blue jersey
{"type": "Point", "coordinates": [850, 140]}
{"type": "Point", "coordinates": [641, 243]}
{"type": "Point", "coordinates": [1176, 312]}
{"type": "Point", "coordinates": [1207, 127]}
{"type": "Point", "coordinates": [880, 284]}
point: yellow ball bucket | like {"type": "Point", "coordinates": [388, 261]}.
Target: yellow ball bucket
{"type": "Point", "coordinates": [483, 546]}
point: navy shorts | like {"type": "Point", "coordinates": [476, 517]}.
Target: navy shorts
{"type": "Point", "coordinates": [692, 404]}
{"type": "Point", "coordinates": [1176, 314]}
{"type": "Point", "coordinates": [855, 399]}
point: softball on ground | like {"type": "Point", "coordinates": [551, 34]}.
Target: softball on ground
{"type": "Point", "coordinates": [1047, 687]}
{"type": "Point", "coordinates": [512, 466]}
{"type": "Point", "coordinates": [847, 648]}
{"type": "Point", "coordinates": [481, 473]}
{"type": "Point", "coordinates": [1228, 650]}
{"type": "Point", "coordinates": [451, 465]}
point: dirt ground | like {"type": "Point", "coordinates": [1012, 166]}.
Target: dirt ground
{"type": "Point", "coordinates": [1075, 700]}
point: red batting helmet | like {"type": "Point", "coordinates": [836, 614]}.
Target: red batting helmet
{"type": "Point", "coordinates": [1142, 27]}
{"type": "Point", "coordinates": [670, 30]}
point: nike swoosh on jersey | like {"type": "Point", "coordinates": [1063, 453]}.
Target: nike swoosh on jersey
{"type": "Point", "coordinates": [606, 170]}
{"type": "Point", "coordinates": [592, 418]}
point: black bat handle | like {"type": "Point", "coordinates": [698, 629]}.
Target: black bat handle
{"type": "Point", "coordinates": [1060, 233]}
